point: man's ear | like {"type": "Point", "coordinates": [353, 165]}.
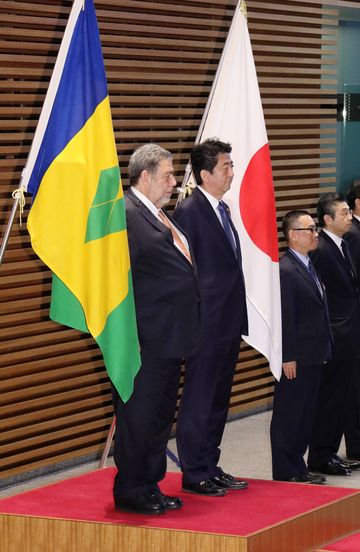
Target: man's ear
{"type": "Point", "coordinates": [145, 177]}
{"type": "Point", "coordinates": [204, 174]}
{"type": "Point", "coordinates": [327, 219]}
{"type": "Point", "coordinates": [357, 202]}
{"type": "Point", "coordinates": [291, 235]}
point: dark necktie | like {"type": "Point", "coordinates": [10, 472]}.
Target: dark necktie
{"type": "Point", "coordinates": [225, 219]}
{"type": "Point", "coordinates": [348, 263]}
{"type": "Point", "coordinates": [312, 271]}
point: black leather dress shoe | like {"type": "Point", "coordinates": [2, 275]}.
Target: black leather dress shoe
{"type": "Point", "coordinates": [170, 502]}
{"type": "Point", "coordinates": [331, 467]}
{"type": "Point", "coordinates": [228, 481]}
{"type": "Point", "coordinates": [141, 504]}
{"type": "Point", "coordinates": [309, 480]}
{"type": "Point", "coordinates": [351, 464]}
{"type": "Point", "coordinates": [204, 488]}
{"type": "Point", "coordinates": [318, 478]}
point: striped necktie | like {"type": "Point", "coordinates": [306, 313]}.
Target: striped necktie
{"type": "Point", "coordinates": [176, 236]}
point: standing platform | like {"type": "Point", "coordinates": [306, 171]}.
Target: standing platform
{"type": "Point", "coordinates": [77, 515]}
{"type": "Point", "coordinates": [348, 544]}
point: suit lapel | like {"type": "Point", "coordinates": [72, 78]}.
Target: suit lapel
{"type": "Point", "coordinates": [147, 214]}
{"type": "Point", "coordinates": [356, 224]}
{"type": "Point", "coordinates": [303, 271]}
{"type": "Point", "coordinates": [338, 257]}
{"type": "Point", "coordinates": [301, 268]}
{"type": "Point", "coordinates": [215, 224]}
{"type": "Point", "coordinates": [156, 223]}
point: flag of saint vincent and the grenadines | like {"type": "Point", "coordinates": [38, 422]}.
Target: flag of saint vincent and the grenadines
{"type": "Point", "coordinates": [77, 220]}
{"type": "Point", "coordinates": [235, 115]}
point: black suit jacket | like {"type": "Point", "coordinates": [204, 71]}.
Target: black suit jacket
{"type": "Point", "coordinates": [353, 239]}
{"type": "Point", "coordinates": [342, 295]}
{"type": "Point", "coordinates": [305, 322]}
{"type": "Point", "coordinates": [221, 280]}
{"type": "Point", "coordinates": [165, 286]}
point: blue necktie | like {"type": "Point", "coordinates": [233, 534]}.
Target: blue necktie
{"type": "Point", "coordinates": [225, 219]}
{"type": "Point", "coordinates": [312, 271]}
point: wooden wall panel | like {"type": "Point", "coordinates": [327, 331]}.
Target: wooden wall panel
{"type": "Point", "coordinates": [161, 58]}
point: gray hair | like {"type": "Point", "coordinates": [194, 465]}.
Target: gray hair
{"type": "Point", "coordinates": [146, 158]}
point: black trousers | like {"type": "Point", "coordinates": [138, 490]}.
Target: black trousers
{"type": "Point", "coordinates": [352, 422]}
{"type": "Point", "coordinates": [143, 426]}
{"type": "Point", "coordinates": [203, 409]}
{"type": "Point", "coordinates": [331, 414]}
{"type": "Point", "coordinates": [293, 416]}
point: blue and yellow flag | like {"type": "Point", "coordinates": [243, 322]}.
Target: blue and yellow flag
{"type": "Point", "coordinates": [77, 221]}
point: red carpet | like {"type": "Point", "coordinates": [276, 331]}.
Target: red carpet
{"type": "Point", "coordinates": [89, 498]}
{"type": "Point", "coordinates": [349, 544]}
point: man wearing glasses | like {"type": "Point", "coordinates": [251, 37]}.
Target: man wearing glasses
{"type": "Point", "coordinates": [353, 236]}
{"type": "Point", "coordinates": [336, 270]}
{"type": "Point", "coordinates": [307, 345]}
{"type": "Point", "coordinates": [352, 429]}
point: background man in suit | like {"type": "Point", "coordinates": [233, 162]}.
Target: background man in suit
{"type": "Point", "coordinates": [307, 344]}
{"type": "Point", "coordinates": [352, 237]}
{"type": "Point", "coordinates": [167, 311]}
{"type": "Point", "coordinates": [332, 262]}
{"type": "Point", "coordinates": [209, 374]}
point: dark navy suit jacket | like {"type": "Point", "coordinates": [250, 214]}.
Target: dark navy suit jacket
{"type": "Point", "coordinates": [165, 286]}
{"type": "Point", "coordinates": [353, 239]}
{"type": "Point", "coordinates": [305, 321]}
{"type": "Point", "coordinates": [342, 295]}
{"type": "Point", "coordinates": [220, 275]}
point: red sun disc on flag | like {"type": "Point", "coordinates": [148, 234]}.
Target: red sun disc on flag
{"type": "Point", "coordinates": [257, 203]}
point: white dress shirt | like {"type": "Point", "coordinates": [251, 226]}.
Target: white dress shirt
{"type": "Point", "coordinates": [155, 211]}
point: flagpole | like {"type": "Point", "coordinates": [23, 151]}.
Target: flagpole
{"type": "Point", "coordinates": [241, 5]}
{"type": "Point", "coordinates": [109, 440]}
{"type": "Point", "coordinates": [19, 197]}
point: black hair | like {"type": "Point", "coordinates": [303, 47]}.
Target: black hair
{"type": "Point", "coordinates": [290, 219]}
{"type": "Point", "coordinates": [326, 206]}
{"type": "Point", "coordinates": [204, 156]}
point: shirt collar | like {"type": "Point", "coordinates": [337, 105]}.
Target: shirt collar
{"type": "Point", "coordinates": [213, 201]}
{"type": "Point", "coordinates": [334, 237]}
{"type": "Point", "coordinates": [146, 201]}
{"type": "Point", "coordinates": [303, 258]}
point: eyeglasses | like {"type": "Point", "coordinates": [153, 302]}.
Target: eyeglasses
{"type": "Point", "coordinates": [346, 213]}
{"type": "Point", "coordinates": [312, 229]}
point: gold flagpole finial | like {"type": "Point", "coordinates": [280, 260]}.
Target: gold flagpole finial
{"type": "Point", "coordinates": [186, 190]}
{"type": "Point", "coordinates": [243, 8]}
{"type": "Point", "coordinates": [18, 194]}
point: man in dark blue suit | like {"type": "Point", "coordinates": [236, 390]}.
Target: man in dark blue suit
{"type": "Point", "coordinates": [307, 344]}
{"type": "Point", "coordinates": [167, 314]}
{"type": "Point", "coordinates": [209, 374]}
{"type": "Point", "coordinates": [352, 238]}
{"type": "Point", "coordinates": [336, 270]}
